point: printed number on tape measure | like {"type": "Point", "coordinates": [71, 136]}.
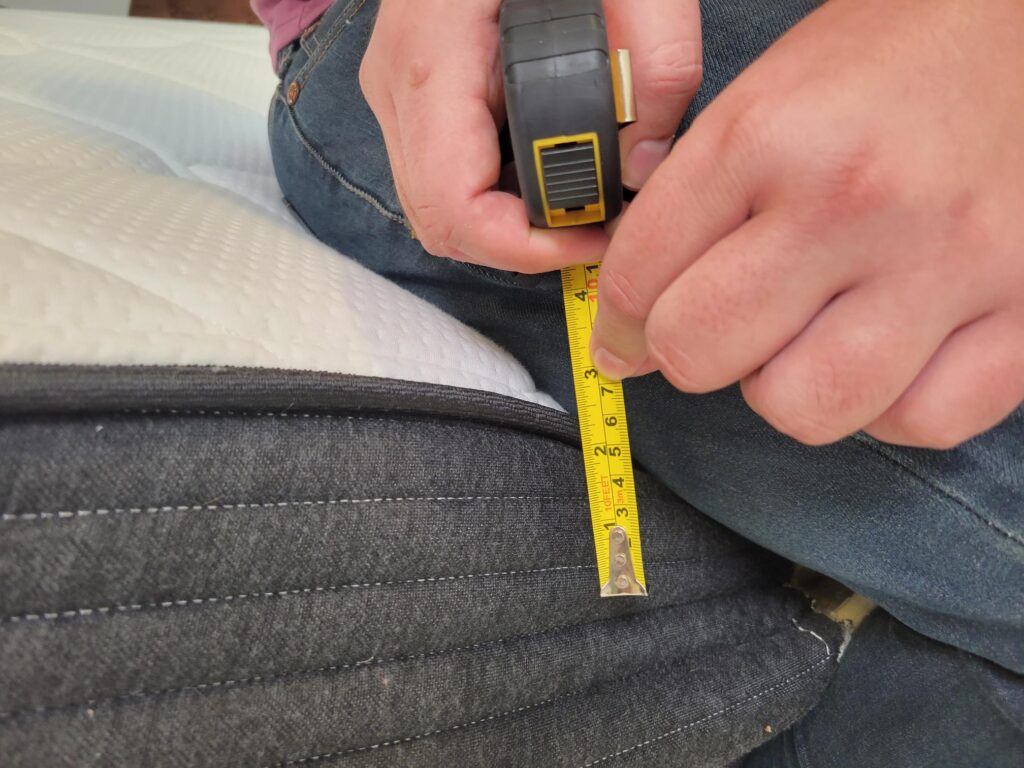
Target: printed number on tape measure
{"type": "Point", "coordinates": [604, 434]}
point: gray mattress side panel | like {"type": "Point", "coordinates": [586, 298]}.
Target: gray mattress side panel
{"type": "Point", "coordinates": [230, 567]}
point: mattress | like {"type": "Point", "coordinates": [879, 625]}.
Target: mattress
{"type": "Point", "coordinates": [141, 224]}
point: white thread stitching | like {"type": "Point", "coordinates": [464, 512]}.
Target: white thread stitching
{"type": "Point", "coordinates": [274, 414]}
{"type": "Point", "coordinates": [70, 514]}
{"type": "Point", "coordinates": [418, 737]}
{"type": "Point", "coordinates": [812, 633]}
{"type": "Point", "coordinates": [283, 675]}
{"type": "Point", "coordinates": [132, 607]}
{"type": "Point", "coordinates": [706, 718]}
{"type": "Point", "coordinates": [180, 603]}
{"type": "Point", "coordinates": [344, 20]}
{"type": "Point", "coordinates": [507, 713]}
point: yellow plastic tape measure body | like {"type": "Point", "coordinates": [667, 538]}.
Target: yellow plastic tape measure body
{"type": "Point", "coordinates": [607, 459]}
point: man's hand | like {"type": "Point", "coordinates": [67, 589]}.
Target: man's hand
{"type": "Point", "coordinates": [432, 75]}
{"type": "Point", "coordinates": [842, 230]}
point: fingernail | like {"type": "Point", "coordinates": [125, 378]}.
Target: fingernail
{"type": "Point", "coordinates": [610, 366]}
{"type": "Point", "coordinates": [643, 159]}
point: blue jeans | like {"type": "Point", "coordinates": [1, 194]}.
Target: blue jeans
{"type": "Point", "coordinates": [936, 538]}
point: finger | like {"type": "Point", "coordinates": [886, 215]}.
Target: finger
{"type": "Point", "coordinates": [449, 144]}
{"type": "Point", "coordinates": [851, 363]}
{"type": "Point", "coordinates": [380, 102]}
{"type": "Point", "coordinates": [698, 196]}
{"type": "Point", "coordinates": [973, 382]}
{"type": "Point", "coordinates": [742, 302]}
{"type": "Point", "coordinates": [664, 41]}
{"type": "Point", "coordinates": [611, 227]}
{"type": "Point", "coordinates": [385, 114]}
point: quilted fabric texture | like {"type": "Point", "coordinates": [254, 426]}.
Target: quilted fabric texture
{"type": "Point", "coordinates": [140, 221]}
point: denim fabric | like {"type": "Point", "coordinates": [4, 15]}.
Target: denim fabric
{"type": "Point", "coordinates": [260, 568]}
{"type": "Point", "coordinates": [914, 681]}
{"type": "Point", "coordinates": [937, 538]}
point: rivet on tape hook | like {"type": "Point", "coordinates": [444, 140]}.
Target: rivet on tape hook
{"type": "Point", "coordinates": [622, 577]}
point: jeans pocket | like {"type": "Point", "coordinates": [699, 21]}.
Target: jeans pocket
{"type": "Point", "coordinates": [328, 31]}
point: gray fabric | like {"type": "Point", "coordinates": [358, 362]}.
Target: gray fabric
{"type": "Point", "coordinates": [228, 567]}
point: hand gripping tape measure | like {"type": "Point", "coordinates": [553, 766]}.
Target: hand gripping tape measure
{"type": "Point", "coordinates": [567, 95]}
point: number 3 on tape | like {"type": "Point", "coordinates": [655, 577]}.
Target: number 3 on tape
{"type": "Point", "coordinates": [606, 456]}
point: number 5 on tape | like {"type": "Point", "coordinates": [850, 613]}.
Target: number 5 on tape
{"type": "Point", "coordinates": [606, 456]}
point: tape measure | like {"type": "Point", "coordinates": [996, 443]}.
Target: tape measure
{"type": "Point", "coordinates": [604, 433]}
{"type": "Point", "coordinates": [566, 96]}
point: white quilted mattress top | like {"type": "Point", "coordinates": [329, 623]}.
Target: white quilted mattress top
{"type": "Point", "coordinates": [140, 222]}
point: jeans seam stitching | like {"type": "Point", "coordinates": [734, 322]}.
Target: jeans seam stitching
{"type": "Point", "coordinates": [343, 20]}
{"type": "Point", "coordinates": [490, 273]}
{"type": "Point", "coordinates": [356, 190]}
{"type": "Point", "coordinates": [924, 479]}
{"type": "Point", "coordinates": [136, 608]}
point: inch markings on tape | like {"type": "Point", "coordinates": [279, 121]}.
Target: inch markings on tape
{"type": "Point", "coordinates": [607, 459]}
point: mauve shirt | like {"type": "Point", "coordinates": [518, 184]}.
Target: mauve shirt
{"type": "Point", "coordinates": [286, 19]}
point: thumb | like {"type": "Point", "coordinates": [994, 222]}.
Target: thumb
{"type": "Point", "coordinates": [664, 41]}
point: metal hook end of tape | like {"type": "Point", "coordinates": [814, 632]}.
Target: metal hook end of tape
{"type": "Point", "coordinates": [622, 581]}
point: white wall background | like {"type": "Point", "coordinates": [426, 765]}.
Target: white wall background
{"type": "Point", "coordinates": [115, 7]}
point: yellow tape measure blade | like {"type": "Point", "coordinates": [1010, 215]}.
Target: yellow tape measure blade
{"type": "Point", "coordinates": [604, 434]}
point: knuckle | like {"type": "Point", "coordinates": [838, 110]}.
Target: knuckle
{"type": "Point", "coordinates": [720, 303]}
{"type": "Point", "coordinates": [435, 231]}
{"type": "Point", "coordinates": [804, 427]}
{"type": "Point", "coordinates": [746, 132]}
{"type": "Point", "coordinates": [854, 182]}
{"type": "Point", "coordinates": [366, 79]}
{"type": "Point", "coordinates": [365, 76]}
{"type": "Point", "coordinates": [678, 368]}
{"type": "Point", "coordinates": [806, 406]}
{"type": "Point", "coordinates": [671, 69]}
{"type": "Point", "coordinates": [673, 362]}
{"type": "Point", "coordinates": [831, 391]}
{"type": "Point", "coordinates": [919, 425]}
{"type": "Point", "coordinates": [971, 228]}
{"type": "Point", "coordinates": [418, 73]}
{"type": "Point", "coordinates": [617, 292]}
{"type": "Point", "coordinates": [938, 440]}
{"type": "Point", "coordinates": [682, 339]}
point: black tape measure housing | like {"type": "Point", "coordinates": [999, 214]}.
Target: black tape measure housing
{"type": "Point", "coordinates": [561, 110]}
